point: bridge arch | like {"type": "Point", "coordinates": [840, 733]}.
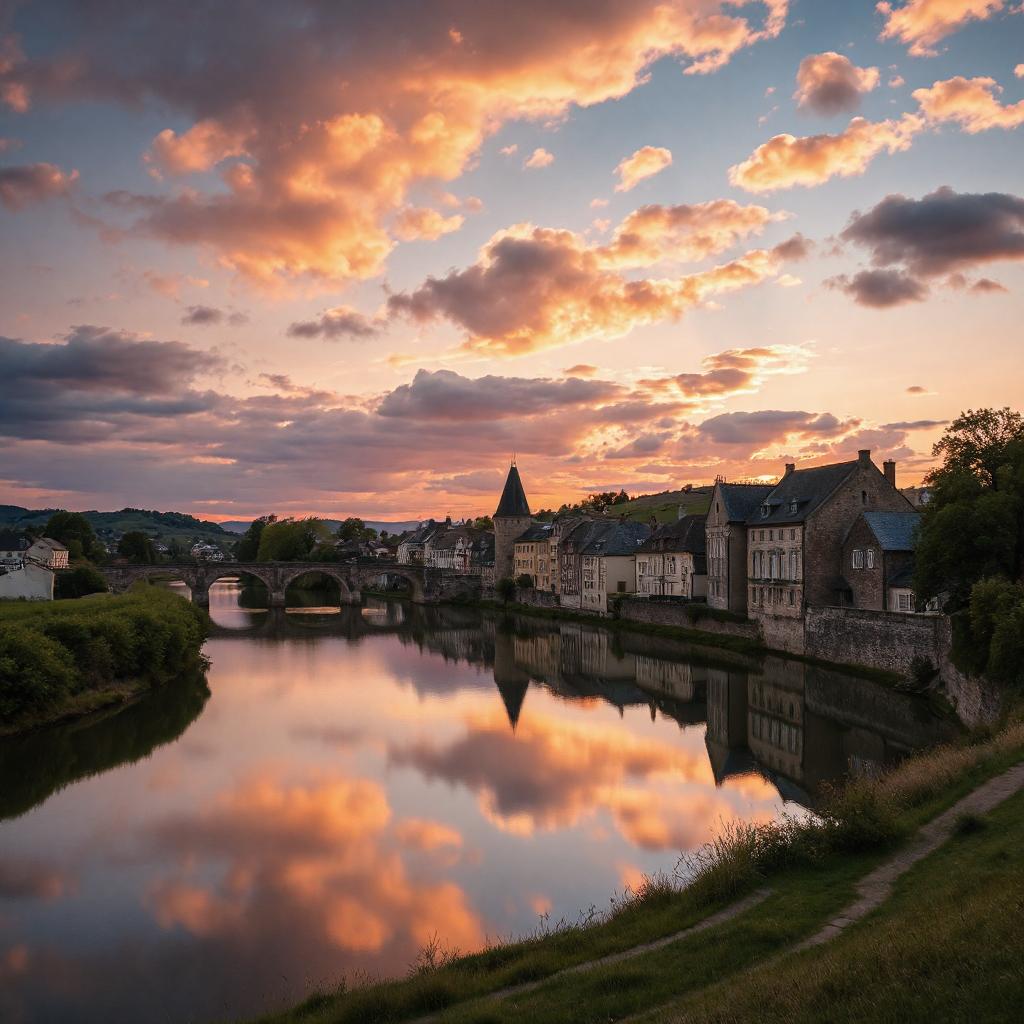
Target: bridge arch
{"type": "Point", "coordinates": [411, 576]}
{"type": "Point", "coordinates": [340, 575]}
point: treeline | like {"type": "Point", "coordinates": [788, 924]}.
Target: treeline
{"type": "Point", "coordinates": [51, 655]}
{"type": "Point", "coordinates": [970, 552]}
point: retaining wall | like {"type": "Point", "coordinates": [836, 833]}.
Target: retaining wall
{"type": "Point", "coordinates": [884, 640]}
{"type": "Point", "coordinates": [665, 613]}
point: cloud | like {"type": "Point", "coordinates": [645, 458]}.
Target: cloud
{"type": "Point", "coordinates": [880, 289]}
{"type": "Point", "coordinates": [510, 150]}
{"type": "Point", "coordinates": [534, 288]}
{"type": "Point", "coordinates": [33, 183]}
{"type": "Point", "coordinates": [202, 316]}
{"type": "Point", "coordinates": [920, 24]}
{"type": "Point", "coordinates": [785, 160]}
{"type": "Point", "coordinates": [339, 322]}
{"type": "Point", "coordinates": [419, 222]}
{"type": "Point", "coordinates": [1019, 70]}
{"type": "Point", "coordinates": [917, 389]}
{"type": "Point", "coordinates": [644, 163]}
{"type": "Point", "coordinates": [971, 103]}
{"type": "Point", "coordinates": [942, 232]}
{"type": "Point", "coordinates": [767, 425]}
{"type": "Point", "coordinates": [446, 395]}
{"type": "Point", "coordinates": [540, 157]}
{"type": "Point", "coordinates": [915, 425]}
{"type": "Point", "coordinates": [170, 285]}
{"type": "Point", "coordinates": [829, 83]}
{"type": "Point", "coordinates": [319, 143]}
{"type": "Point", "coordinates": [580, 370]}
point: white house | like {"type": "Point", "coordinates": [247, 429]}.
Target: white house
{"type": "Point", "coordinates": [26, 582]}
{"type": "Point", "coordinates": [49, 552]}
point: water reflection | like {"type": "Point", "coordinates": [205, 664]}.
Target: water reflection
{"type": "Point", "coordinates": [362, 779]}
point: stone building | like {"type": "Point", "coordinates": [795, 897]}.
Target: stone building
{"type": "Point", "coordinates": [49, 552]}
{"type": "Point", "coordinates": [795, 539]}
{"type": "Point", "coordinates": [597, 558]}
{"type": "Point", "coordinates": [878, 561]}
{"type": "Point", "coordinates": [726, 542]}
{"type": "Point", "coordinates": [511, 519]}
{"type": "Point", "coordinates": [671, 562]}
{"type": "Point", "coordinates": [533, 556]}
{"type": "Point", "coordinates": [26, 581]}
{"type": "Point", "coordinates": [412, 547]}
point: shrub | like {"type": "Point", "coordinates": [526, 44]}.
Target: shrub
{"type": "Point", "coordinates": [35, 671]}
{"type": "Point", "coordinates": [78, 582]}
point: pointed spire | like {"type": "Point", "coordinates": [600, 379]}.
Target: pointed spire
{"type": "Point", "coordinates": [513, 498]}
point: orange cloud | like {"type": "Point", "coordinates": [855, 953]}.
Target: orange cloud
{"type": "Point", "coordinates": [786, 160]}
{"type": "Point", "coordinates": [644, 163]}
{"type": "Point", "coordinates": [33, 183]}
{"type": "Point", "coordinates": [971, 103]}
{"type": "Point", "coordinates": [923, 23]}
{"type": "Point", "coordinates": [416, 222]}
{"type": "Point", "coordinates": [318, 155]}
{"type": "Point", "coordinates": [420, 834]}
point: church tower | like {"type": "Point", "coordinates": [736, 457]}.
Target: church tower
{"type": "Point", "coordinates": [511, 520]}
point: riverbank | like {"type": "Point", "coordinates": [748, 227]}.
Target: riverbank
{"type": "Point", "coordinates": [65, 659]}
{"type": "Point", "coordinates": [803, 874]}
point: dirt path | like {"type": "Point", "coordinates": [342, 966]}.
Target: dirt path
{"type": "Point", "coordinates": [875, 888]}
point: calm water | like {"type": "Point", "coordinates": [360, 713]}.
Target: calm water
{"type": "Point", "coordinates": [345, 785]}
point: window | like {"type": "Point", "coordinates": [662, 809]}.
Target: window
{"type": "Point", "coordinates": [773, 567]}
{"type": "Point", "coordinates": [764, 514]}
{"type": "Point", "coordinates": [621, 586]}
{"type": "Point", "coordinates": [858, 559]}
{"type": "Point", "coordinates": [905, 602]}
{"type": "Point", "coordinates": [863, 497]}
{"type": "Point", "coordinates": [771, 535]}
{"type": "Point", "coordinates": [762, 535]}
{"type": "Point", "coordinates": [792, 508]}
{"type": "Point", "coordinates": [792, 534]}
{"type": "Point", "coordinates": [791, 598]}
{"type": "Point", "coordinates": [871, 558]}
{"type": "Point", "coordinates": [792, 566]}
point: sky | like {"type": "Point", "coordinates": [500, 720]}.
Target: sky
{"type": "Point", "coordinates": [347, 259]}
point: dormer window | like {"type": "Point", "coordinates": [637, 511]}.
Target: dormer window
{"type": "Point", "coordinates": [764, 511]}
{"type": "Point", "coordinates": [792, 508]}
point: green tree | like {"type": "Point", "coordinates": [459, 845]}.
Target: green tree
{"type": "Point", "coordinates": [79, 581]}
{"type": "Point", "coordinates": [75, 532]}
{"type": "Point", "coordinates": [291, 540]}
{"type": "Point", "coordinates": [137, 547]}
{"type": "Point", "coordinates": [524, 581]}
{"type": "Point", "coordinates": [177, 550]}
{"type": "Point", "coordinates": [355, 529]}
{"type": "Point", "coordinates": [483, 523]}
{"type": "Point", "coordinates": [973, 528]}
{"type": "Point", "coordinates": [249, 546]}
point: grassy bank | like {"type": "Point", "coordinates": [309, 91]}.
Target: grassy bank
{"type": "Point", "coordinates": [811, 867]}
{"type": "Point", "coordinates": [67, 658]}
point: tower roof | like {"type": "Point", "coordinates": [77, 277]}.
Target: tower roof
{"type": "Point", "coordinates": [513, 497]}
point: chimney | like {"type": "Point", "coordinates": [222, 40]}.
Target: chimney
{"type": "Point", "coordinates": [889, 468]}
{"type": "Point", "coordinates": [790, 466]}
{"type": "Point", "coordinates": [864, 456]}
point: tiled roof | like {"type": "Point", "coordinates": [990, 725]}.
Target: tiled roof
{"type": "Point", "coordinates": [614, 538]}
{"type": "Point", "coordinates": [539, 531]}
{"type": "Point", "coordinates": [686, 534]}
{"type": "Point", "coordinates": [49, 542]}
{"type": "Point", "coordinates": [742, 500]}
{"type": "Point", "coordinates": [799, 493]}
{"type": "Point", "coordinates": [513, 498]}
{"type": "Point", "coordinates": [894, 531]}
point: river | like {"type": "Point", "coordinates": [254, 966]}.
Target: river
{"type": "Point", "coordinates": [345, 785]}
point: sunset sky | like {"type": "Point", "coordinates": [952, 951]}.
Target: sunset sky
{"type": "Point", "coordinates": [345, 258]}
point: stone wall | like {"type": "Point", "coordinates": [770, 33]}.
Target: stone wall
{"type": "Point", "coordinates": [670, 613]}
{"type": "Point", "coordinates": [536, 598]}
{"type": "Point", "coordinates": [780, 632]}
{"type": "Point", "coordinates": [876, 639]}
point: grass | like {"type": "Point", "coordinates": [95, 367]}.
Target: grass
{"type": "Point", "coordinates": [811, 866]}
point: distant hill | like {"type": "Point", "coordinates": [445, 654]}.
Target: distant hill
{"type": "Point", "coordinates": [162, 526]}
{"type": "Point", "coordinates": [238, 526]}
{"type": "Point", "coordinates": [665, 505]}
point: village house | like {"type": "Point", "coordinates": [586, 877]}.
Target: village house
{"type": "Point", "coordinates": [597, 559]}
{"type": "Point", "coordinates": [671, 562]}
{"type": "Point", "coordinates": [49, 552]}
{"type": "Point", "coordinates": [726, 542]}
{"type": "Point", "coordinates": [26, 581]}
{"type": "Point", "coordinates": [13, 548]}
{"type": "Point", "coordinates": [456, 548]}
{"type": "Point", "coordinates": [533, 556]}
{"type": "Point", "coordinates": [878, 561]}
{"type": "Point", "coordinates": [412, 545]}
{"type": "Point", "coordinates": [795, 539]}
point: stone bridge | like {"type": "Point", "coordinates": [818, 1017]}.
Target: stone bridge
{"type": "Point", "coordinates": [426, 585]}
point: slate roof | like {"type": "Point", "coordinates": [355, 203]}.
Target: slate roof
{"type": "Point", "coordinates": [513, 498]}
{"type": "Point", "coordinates": [686, 534]}
{"type": "Point", "coordinates": [49, 542]}
{"type": "Point", "coordinates": [742, 500]}
{"type": "Point", "coordinates": [799, 493]}
{"type": "Point", "coordinates": [614, 538]}
{"type": "Point", "coordinates": [538, 531]}
{"type": "Point", "coordinates": [894, 531]}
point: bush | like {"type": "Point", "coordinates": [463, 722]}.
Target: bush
{"type": "Point", "coordinates": [50, 652]}
{"type": "Point", "coordinates": [524, 581]}
{"type": "Point", "coordinates": [505, 588]}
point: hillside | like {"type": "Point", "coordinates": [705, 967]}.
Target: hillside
{"type": "Point", "coordinates": [162, 526]}
{"type": "Point", "coordinates": [239, 526]}
{"type": "Point", "coordinates": [665, 506]}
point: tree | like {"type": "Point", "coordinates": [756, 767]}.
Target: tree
{"type": "Point", "coordinates": [291, 540]}
{"type": "Point", "coordinates": [137, 547]}
{"type": "Point", "coordinates": [973, 528]}
{"type": "Point", "coordinates": [249, 546]}
{"type": "Point", "coordinates": [177, 550]}
{"type": "Point", "coordinates": [355, 529]}
{"type": "Point", "coordinates": [505, 588]}
{"type": "Point", "coordinates": [77, 582]}
{"type": "Point", "coordinates": [524, 581]}
{"type": "Point", "coordinates": [483, 523]}
{"type": "Point", "coordinates": [75, 532]}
